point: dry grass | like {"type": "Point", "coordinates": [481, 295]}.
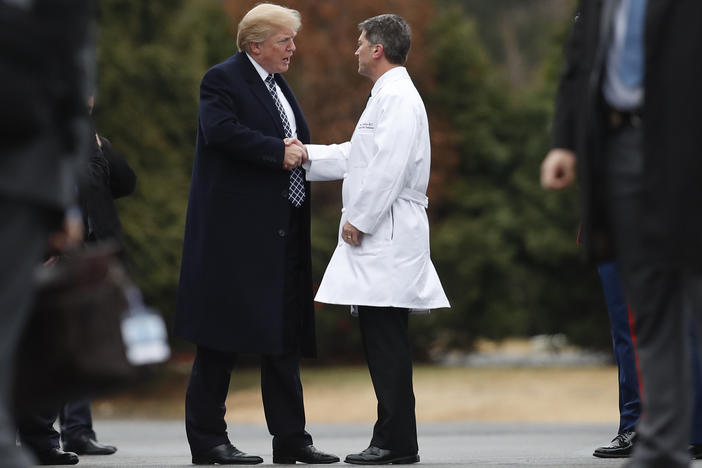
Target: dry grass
{"type": "Point", "coordinates": [345, 394]}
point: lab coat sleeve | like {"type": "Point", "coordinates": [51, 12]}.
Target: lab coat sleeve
{"type": "Point", "coordinates": [327, 162]}
{"type": "Point", "coordinates": [385, 175]}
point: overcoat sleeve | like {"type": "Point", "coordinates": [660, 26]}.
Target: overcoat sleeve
{"type": "Point", "coordinates": [223, 130]}
{"type": "Point", "coordinates": [122, 177]}
{"type": "Point", "coordinates": [565, 118]}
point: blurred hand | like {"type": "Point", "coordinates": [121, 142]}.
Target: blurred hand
{"type": "Point", "coordinates": [293, 156]}
{"type": "Point", "coordinates": [296, 142]}
{"type": "Point", "coordinates": [351, 235]}
{"type": "Point", "coordinates": [69, 237]}
{"type": "Point", "coordinates": [558, 169]}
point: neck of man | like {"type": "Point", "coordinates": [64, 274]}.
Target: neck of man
{"type": "Point", "coordinates": [382, 67]}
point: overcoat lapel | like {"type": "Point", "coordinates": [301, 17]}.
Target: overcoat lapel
{"type": "Point", "coordinates": [258, 89]}
{"type": "Point", "coordinates": [609, 7]}
{"type": "Point", "coordinates": [299, 117]}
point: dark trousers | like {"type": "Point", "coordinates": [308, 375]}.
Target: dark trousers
{"type": "Point", "coordinates": [663, 299]}
{"type": "Point", "coordinates": [625, 355]}
{"type": "Point", "coordinates": [23, 234]}
{"type": "Point", "coordinates": [387, 349]}
{"type": "Point", "coordinates": [623, 346]}
{"type": "Point", "coordinates": [36, 428]}
{"type": "Point", "coordinates": [207, 391]}
{"type": "Point", "coordinates": [76, 420]}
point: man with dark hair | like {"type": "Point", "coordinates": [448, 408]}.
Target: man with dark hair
{"type": "Point", "coordinates": [381, 266]}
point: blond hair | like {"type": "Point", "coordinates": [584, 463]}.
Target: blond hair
{"type": "Point", "coordinates": [262, 21]}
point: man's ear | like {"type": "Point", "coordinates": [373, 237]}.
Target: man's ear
{"type": "Point", "coordinates": [254, 48]}
{"type": "Point", "coordinates": [378, 51]}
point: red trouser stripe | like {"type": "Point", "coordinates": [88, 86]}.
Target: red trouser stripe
{"type": "Point", "coordinates": [633, 342]}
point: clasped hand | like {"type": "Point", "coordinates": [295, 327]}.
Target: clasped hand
{"type": "Point", "coordinates": [295, 154]}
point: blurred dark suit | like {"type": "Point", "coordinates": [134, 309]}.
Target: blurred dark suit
{"type": "Point", "coordinates": [44, 129]}
{"type": "Point", "coordinates": [639, 171]}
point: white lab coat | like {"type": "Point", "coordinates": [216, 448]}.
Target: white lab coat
{"type": "Point", "coordinates": [385, 168]}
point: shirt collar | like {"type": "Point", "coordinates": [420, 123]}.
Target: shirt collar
{"type": "Point", "coordinates": [261, 71]}
{"type": "Point", "coordinates": [390, 76]}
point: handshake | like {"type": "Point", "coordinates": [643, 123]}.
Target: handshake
{"type": "Point", "coordinates": [295, 154]}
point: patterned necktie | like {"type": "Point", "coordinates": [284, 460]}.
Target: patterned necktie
{"type": "Point", "coordinates": [631, 61]}
{"type": "Point", "coordinates": [296, 191]}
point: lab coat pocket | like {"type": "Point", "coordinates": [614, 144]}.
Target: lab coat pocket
{"type": "Point", "coordinates": [371, 245]}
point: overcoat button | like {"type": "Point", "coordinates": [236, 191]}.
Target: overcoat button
{"type": "Point", "coordinates": [281, 232]}
{"type": "Point", "coordinates": [284, 194]}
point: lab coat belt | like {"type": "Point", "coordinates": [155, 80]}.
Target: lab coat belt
{"type": "Point", "coordinates": [414, 196]}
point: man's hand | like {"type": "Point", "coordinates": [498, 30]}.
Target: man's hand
{"type": "Point", "coordinates": [295, 153]}
{"type": "Point", "coordinates": [296, 142]}
{"type": "Point", "coordinates": [351, 235]}
{"type": "Point", "coordinates": [558, 169]}
{"type": "Point", "coordinates": [70, 236]}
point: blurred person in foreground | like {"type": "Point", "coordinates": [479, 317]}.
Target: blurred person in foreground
{"type": "Point", "coordinates": [381, 266]}
{"type": "Point", "coordinates": [246, 280]}
{"type": "Point", "coordinates": [103, 178]}
{"type": "Point", "coordinates": [628, 114]}
{"type": "Point", "coordinates": [45, 65]}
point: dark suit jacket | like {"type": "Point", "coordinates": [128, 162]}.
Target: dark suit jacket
{"type": "Point", "coordinates": [230, 295]}
{"type": "Point", "coordinates": [105, 177]}
{"type": "Point", "coordinates": [672, 114]}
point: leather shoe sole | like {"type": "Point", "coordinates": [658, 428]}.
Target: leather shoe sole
{"type": "Point", "coordinates": [401, 460]}
{"type": "Point", "coordinates": [620, 453]}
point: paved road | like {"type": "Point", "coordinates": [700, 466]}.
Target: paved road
{"type": "Point", "coordinates": [151, 443]}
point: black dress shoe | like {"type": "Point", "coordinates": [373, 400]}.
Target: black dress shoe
{"type": "Point", "coordinates": [377, 456]}
{"type": "Point", "coordinates": [620, 447]}
{"type": "Point", "coordinates": [306, 454]}
{"type": "Point", "coordinates": [86, 445]}
{"type": "Point", "coordinates": [226, 454]}
{"type": "Point", "coordinates": [695, 451]}
{"type": "Point", "coordinates": [56, 456]}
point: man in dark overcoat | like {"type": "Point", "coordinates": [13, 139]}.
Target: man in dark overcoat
{"type": "Point", "coordinates": [245, 284]}
{"type": "Point", "coordinates": [629, 107]}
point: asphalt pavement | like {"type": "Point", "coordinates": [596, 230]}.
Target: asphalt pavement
{"type": "Point", "coordinates": [150, 443]}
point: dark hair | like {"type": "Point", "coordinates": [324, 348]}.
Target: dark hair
{"type": "Point", "coordinates": [392, 32]}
